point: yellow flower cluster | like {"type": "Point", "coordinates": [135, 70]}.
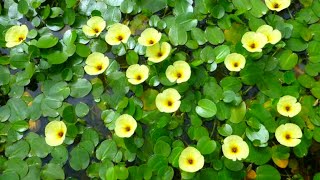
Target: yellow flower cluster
{"type": "Point", "coordinates": [96, 63]}
{"type": "Point", "coordinates": [288, 106]}
{"type": "Point", "coordinates": [125, 126]}
{"type": "Point", "coordinates": [288, 134]}
{"type": "Point", "coordinates": [277, 5]}
{"type": "Point", "coordinates": [235, 148]}
{"type": "Point", "coordinates": [179, 72]}
{"type": "Point", "coordinates": [55, 133]}
{"type": "Point", "coordinates": [255, 41]}
{"type": "Point", "coordinates": [168, 101]}
{"type": "Point", "coordinates": [16, 35]}
{"type": "Point", "coordinates": [191, 160]}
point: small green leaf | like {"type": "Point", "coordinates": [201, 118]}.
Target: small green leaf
{"type": "Point", "coordinates": [79, 158]}
{"type": "Point", "coordinates": [82, 109]}
{"type": "Point", "coordinates": [162, 148]}
{"type": "Point", "coordinates": [205, 145]}
{"type": "Point", "coordinates": [52, 171]}
{"type": "Point", "coordinates": [23, 7]}
{"type": "Point", "coordinates": [225, 130]}
{"type": "Point", "coordinates": [106, 150]}
{"type": "Point", "coordinates": [238, 113]}
{"type": "Point", "coordinates": [267, 172]}
{"type": "Point", "coordinates": [206, 108]}
{"type": "Point", "coordinates": [214, 35]}
{"type": "Point", "coordinates": [80, 88]}
{"type": "Point", "coordinates": [47, 41]}
{"type": "Point", "coordinates": [287, 59]}
{"type": "Point", "coordinates": [69, 114]}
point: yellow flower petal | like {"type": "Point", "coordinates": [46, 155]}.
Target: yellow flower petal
{"type": "Point", "coordinates": [288, 134]}
{"type": "Point", "coordinates": [117, 33]}
{"type": "Point", "coordinates": [149, 37]}
{"type": "Point", "coordinates": [16, 35]}
{"type": "Point", "coordinates": [254, 41]}
{"type": "Point", "coordinates": [157, 52]}
{"type": "Point", "coordinates": [125, 126]}
{"type": "Point", "coordinates": [168, 101]}
{"type": "Point", "coordinates": [191, 160]}
{"type": "Point", "coordinates": [235, 148]}
{"type": "Point", "coordinates": [288, 106]}
{"type": "Point", "coordinates": [277, 5]}
{"type": "Point", "coordinates": [137, 74]}
{"type": "Point", "coordinates": [95, 25]}
{"type": "Point", "coordinates": [273, 36]}
{"type": "Point", "coordinates": [235, 62]}
{"type": "Point", "coordinates": [96, 63]}
{"type": "Point", "coordinates": [180, 71]}
{"type": "Point", "coordinates": [55, 133]}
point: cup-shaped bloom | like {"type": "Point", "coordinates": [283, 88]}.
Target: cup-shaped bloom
{"type": "Point", "coordinates": [277, 5]}
{"type": "Point", "coordinates": [180, 71]}
{"type": "Point", "coordinates": [235, 148]}
{"type": "Point", "coordinates": [288, 106]}
{"type": "Point", "coordinates": [117, 33]}
{"type": "Point", "coordinates": [149, 37]}
{"type": "Point", "coordinates": [157, 52]}
{"type": "Point", "coordinates": [16, 35]}
{"type": "Point", "coordinates": [94, 27]}
{"type": "Point", "coordinates": [55, 133]}
{"type": "Point", "coordinates": [137, 74]}
{"type": "Point", "coordinates": [273, 35]}
{"type": "Point", "coordinates": [191, 160]}
{"type": "Point", "coordinates": [96, 63]}
{"type": "Point", "coordinates": [235, 62]}
{"type": "Point", "coordinates": [168, 101]}
{"type": "Point", "coordinates": [254, 41]}
{"type": "Point", "coordinates": [288, 134]}
{"type": "Point", "coordinates": [125, 126]}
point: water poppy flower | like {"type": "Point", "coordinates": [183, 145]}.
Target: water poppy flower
{"type": "Point", "coordinates": [254, 41]}
{"type": "Point", "coordinates": [235, 62]}
{"type": "Point", "coordinates": [117, 33]}
{"type": "Point", "coordinates": [96, 63]}
{"type": "Point", "coordinates": [277, 5]}
{"type": "Point", "coordinates": [273, 35]}
{"type": "Point", "coordinates": [16, 35]}
{"type": "Point", "coordinates": [288, 134]}
{"type": "Point", "coordinates": [191, 160]}
{"type": "Point", "coordinates": [125, 126]}
{"type": "Point", "coordinates": [157, 52]}
{"type": "Point", "coordinates": [55, 132]}
{"type": "Point", "coordinates": [288, 106]}
{"type": "Point", "coordinates": [179, 72]}
{"type": "Point", "coordinates": [94, 27]}
{"type": "Point", "coordinates": [235, 148]}
{"type": "Point", "coordinates": [149, 37]}
{"type": "Point", "coordinates": [168, 101]}
{"type": "Point", "coordinates": [137, 74]}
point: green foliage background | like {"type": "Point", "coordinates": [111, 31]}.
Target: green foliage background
{"type": "Point", "coordinates": [43, 80]}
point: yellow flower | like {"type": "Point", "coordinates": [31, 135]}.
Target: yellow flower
{"type": "Point", "coordinates": [191, 160]}
{"type": "Point", "coordinates": [277, 5]}
{"type": "Point", "coordinates": [288, 106]}
{"type": "Point", "coordinates": [180, 71]}
{"type": "Point", "coordinates": [288, 134]}
{"type": "Point", "coordinates": [137, 74]}
{"type": "Point", "coordinates": [235, 148]}
{"type": "Point", "coordinates": [149, 37]}
{"type": "Point", "coordinates": [125, 126]}
{"type": "Point", "coordinates": [254, 41]}
{"type": "Point", "coordinates": [235, 62]}
{"type": "Point", "coordinates": [96, 63]}
{"type": "Point", "coordinates": [16, 35]}
{"type": "Point", "coordinates": [55, 133]}
{"type": "Point", "coordinates": [117, 33]}
{"type": "Point", "coordinates": [168, 101]}
{"type": "Point", "coordinates": [94, 27]}
{"type": "Point", "coordinates": [157, 52]}
{"type": "Point", "coordinates": [273, 36]}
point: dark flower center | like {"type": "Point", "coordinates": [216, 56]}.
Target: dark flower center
{"type": "Point", "coordinates": [127, 128]}
{"type": "Point", "coordinates": [235, 64]}
{"type": "Point", "coordinates": [275, 5]}
{"type": "Point", "coordinates": [120, 38]}
{"type": "Point", "coordinates": [99, 67]}
{"type": "Point", "coordinates": [169, 103]}
{"type": "Point", "coordinates": [288, 108]}
{"type": "Point", "coordinates": [159, 54]}
{"type": "Point", "coordinates": [234, 149]}
{"type": "Point", "coordinates": [190, 161]}
{"type": "Point", "coordinates": [253, 45]}
{"type": "Point", "coordinates": [151, 42]}
{"type": "Point", "coordinates": [60, 134]}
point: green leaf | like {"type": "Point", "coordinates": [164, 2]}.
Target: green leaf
{"type": "Point", "coordinates": [38, 146]}
{"type": "Point", "coordinates": [52, 171]}
{"type": "Point", "coordinates": [113, 2]}
{"type": "Point", "coordinates": [106, 150]}
{"type": "Point", "coordinates": [57, 57]}
{"type": "Point", "coordinates": [198, 35]}
{"type": "Point", "coordinates": [231, 83]}
{"type": "Point", "coordinates": [206, 108]}
{"type": "Point", "coordinates": [214, 35]}
{"type": "Point", "coordinates": [112, 15]}
{"type": "Point", "coordinates": [205, 145]}
{"type": "Point", "coordinates": [287, 59]}
{"type": "Point", "coordinates": [132, 57]}
{"type": "Point", "coordinates": [4, 75]}
{"type": "Point", "coordinates": [23, 7]}
{"type": "Point", "coordinates": [82, 109]}
{"type": "Point", "coordinates": [296, 44]}
{"type": "Point", "coordinates": [79, 158]}
{"type": "Point", "coordinates": [225, 130]}
{"type": "Point", "coordinates": [233, 165]}
{"type": "Point", "coordinates": [220, 53]}
{"type": "Point", "coordinates": [177, 36]}
{"type": "Point", "coordinates": [69, 114]}
{"type": "Point", "coordinates": [262, 136]}
{"type": "Point", "coordinates": [242, 5]}
{"type": "Point", "coordinates": [80, 88]}
{"type": "Point", "coordinates": [47, 41]}
{"type": "Point", "coordinates": [238, 113]}
{"type": "Point", "coordinates": [18, 109]}
{"type": "Point", "coordinates": [162, 148]}
{"type": "Point", "coordinates": [83, 50]}
{"type": "Point", "coordinates": [59, 155]}
{"type": "Point", "coordinates": [19, 60]}
{"type": "Point", "coordinates": [19, 150]}
{"type": "Point", "coordinates": [267, 172]}
{"type": "Point", "coordinates": [157, 162]}
{"type": "Point", "coordinates": [71, 3]}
